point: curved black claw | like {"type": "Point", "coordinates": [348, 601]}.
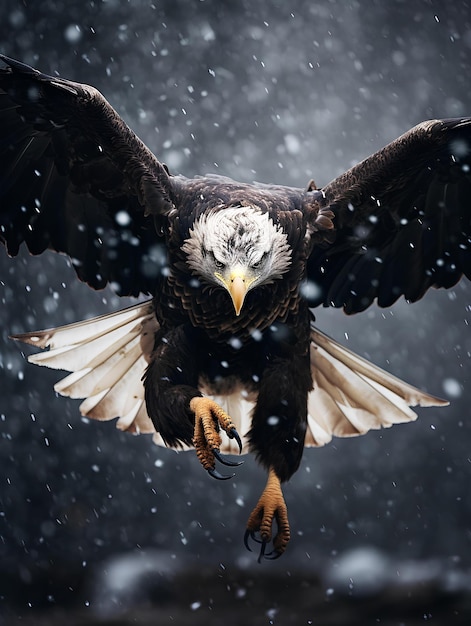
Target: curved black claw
{"type": "Point", "coordinates": [263, 544]}
{"type": "Point", "coordinates": [215, 474]}
{"type": "Point", "coordinates": [251, 534]}
{"type": "Point", "coordinates": [233, 434]}
{"type": "Point", "coordinates": [224, 461]}
{"type": "Point", "coordinates": [270, 556]}
{"type": "Point", "coordinates": [262, 552]}
{"type": "Point", "coordinates": [248, 534]}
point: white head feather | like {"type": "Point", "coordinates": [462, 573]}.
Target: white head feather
{"type": "Point", "coordinates": [238, 237]}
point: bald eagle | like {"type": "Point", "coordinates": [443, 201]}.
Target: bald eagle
{"type": "Point", "coordinates": [224, 357]}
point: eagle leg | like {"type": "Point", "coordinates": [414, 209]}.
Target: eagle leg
{"type": "Point", "coordinates": [209, 418]}
{"type": "Point", "coordinates": [270, 507]}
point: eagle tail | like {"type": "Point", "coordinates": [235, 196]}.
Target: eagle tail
{"type": "Point", "coordinates": [352, 396]}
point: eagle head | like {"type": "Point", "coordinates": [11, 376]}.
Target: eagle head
{"type": "Point", "coordinates": [238, 248]}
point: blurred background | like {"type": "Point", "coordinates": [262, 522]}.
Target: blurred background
{"type": "Point", "coordinates": [108, 527]}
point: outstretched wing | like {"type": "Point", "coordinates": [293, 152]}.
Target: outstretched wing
{"type": "Point", "coordinates": [402, 221]}
{"type": "Point", "coordinates": [74, 178]}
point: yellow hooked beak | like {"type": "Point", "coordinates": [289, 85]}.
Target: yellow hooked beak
{"type": "Point", "coordinates": [237, 284]}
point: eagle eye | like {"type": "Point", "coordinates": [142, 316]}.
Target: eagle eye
{"type": "Point", "coordinates": [261, 261]}
{"type": "Point", "coordinates": [219, 264]}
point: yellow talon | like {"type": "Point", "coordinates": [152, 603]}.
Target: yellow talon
{"type": "Point", "coordinates": [270, 507]}
{"type": "Point", "coordinates": [209, 418]}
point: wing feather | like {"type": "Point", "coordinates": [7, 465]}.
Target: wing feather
{"type": "Point", "coordinates": [352, 396]}
{"type": "Point", "coordinates": [108, 356]}
{"type": "Point", "coordinates": [96, 378]}
{"type": "Point", "coordinates": [402, 220]}
{"type": "Point", "coordinates": [74, 178]}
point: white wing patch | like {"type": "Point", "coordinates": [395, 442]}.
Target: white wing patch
{"type": "Point", "coordinates": [352, 396]}
{"type": "Point", "coordinates": [108, 356]}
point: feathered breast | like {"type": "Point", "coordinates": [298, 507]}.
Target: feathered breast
{"type": "Point", "coordinates": [209, 306]}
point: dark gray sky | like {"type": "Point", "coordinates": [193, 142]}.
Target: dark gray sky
{"type": "Point", "coordinates": [276, 92]}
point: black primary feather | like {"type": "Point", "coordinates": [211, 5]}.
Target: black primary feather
{"type": "Point", "coordinates": [402, 220]}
